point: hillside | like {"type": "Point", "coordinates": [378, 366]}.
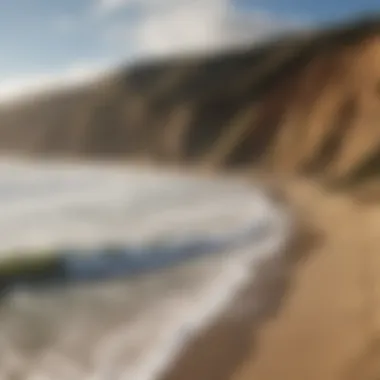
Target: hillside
{"type": "Point", "coordinates": [307, 103]}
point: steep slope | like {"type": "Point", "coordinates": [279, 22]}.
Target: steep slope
{"type": "Point", "coordinates": [307, 103]}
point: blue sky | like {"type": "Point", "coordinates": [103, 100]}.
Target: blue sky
{"type": "Point", "coordinates": [43, 39]}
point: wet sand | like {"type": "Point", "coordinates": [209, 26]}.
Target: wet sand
{"type": "Point", "coordinates": [320, 312]}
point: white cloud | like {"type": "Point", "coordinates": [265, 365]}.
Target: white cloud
{"type": "Point", "coordinates": [201, 25]}
{"type": "Point", "coordinates": [183, 26]}
{"type": "Point", "coordinates": [75, 75]}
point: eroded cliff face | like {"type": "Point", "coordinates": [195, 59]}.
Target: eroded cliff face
{"type": "Point", "coordinates": [307, 104]}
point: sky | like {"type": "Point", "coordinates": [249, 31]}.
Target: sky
{"type": "Point", "coordinates": [53, 42]}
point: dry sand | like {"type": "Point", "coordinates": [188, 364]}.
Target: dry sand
{"type": "Point", "coordinates": [321, 315]}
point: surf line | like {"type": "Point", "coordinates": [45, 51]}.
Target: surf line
{"type": "Point", "coordinates": [70, 266]}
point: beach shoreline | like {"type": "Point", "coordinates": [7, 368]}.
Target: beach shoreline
{"type": "Point", "coordinates": [216, 352]}
{"type": "Point", "coordinates": [216, 206]}
{"type": "Point", "coordinates": [326, 325]}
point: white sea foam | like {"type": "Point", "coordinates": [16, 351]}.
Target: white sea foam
{"type": "Point", "coordinates": [128, 329]}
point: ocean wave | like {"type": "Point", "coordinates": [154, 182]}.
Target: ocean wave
{"type": "Point", "coordinates": [132, 327]}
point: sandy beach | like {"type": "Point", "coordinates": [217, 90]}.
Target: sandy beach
{"type": "Point", "coordinates": [320, 316]}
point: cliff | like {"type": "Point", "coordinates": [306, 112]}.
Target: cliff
{"type": "Point", "coordinates": [305, 104]}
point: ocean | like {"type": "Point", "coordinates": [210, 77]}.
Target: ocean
{"type": "Point", "coordinates": [131, 326]}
